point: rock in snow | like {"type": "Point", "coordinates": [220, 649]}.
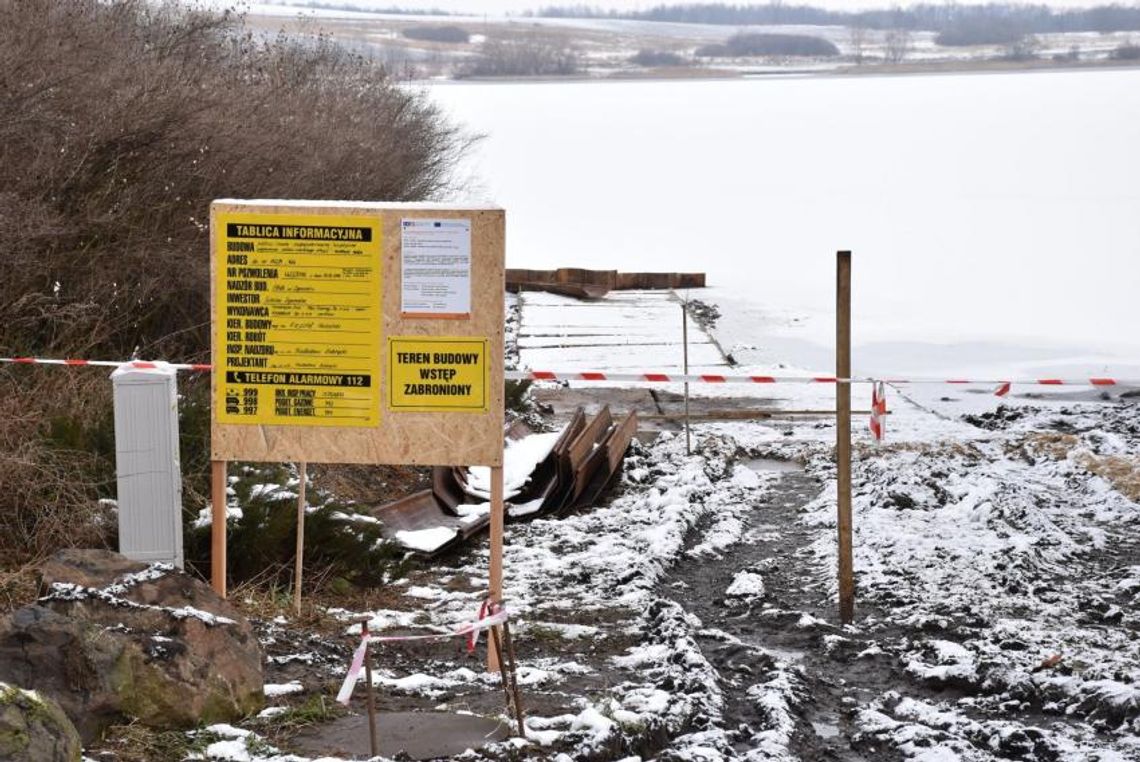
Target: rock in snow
{"type": "Point", "coordinates": [34, 729]}
{"type": "Point", "coordinates": [112, 640]}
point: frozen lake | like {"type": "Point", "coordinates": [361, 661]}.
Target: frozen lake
{"type": "Point", "coordinates": [994, 219]}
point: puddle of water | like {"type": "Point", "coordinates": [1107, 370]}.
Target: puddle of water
{"type": "Point", "coordinates": [825, 729]}
{"type": "Point", "coordinates": [773, 465]}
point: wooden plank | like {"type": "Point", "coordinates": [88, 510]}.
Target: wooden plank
{"type": "Point", "coordinates": [605, 464]}
{"type": "Point", "coordinates": [584, 444]}
{"type": "Point", "coordinates": [619, 441]}
{"type": "Point", "coordinates": [586, 473]}
{"type": "Point", "coordinates": [556, 497]}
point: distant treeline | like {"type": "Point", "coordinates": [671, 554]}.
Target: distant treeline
{"type": "Point", "coordinates": [744, 45]}
{"type": "Point", "coordinates": [951, 19]}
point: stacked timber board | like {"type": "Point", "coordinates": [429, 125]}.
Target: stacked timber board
{"type": "Point", "coordinates": [584, 460]}
{"type": "Point", "coordinates": [594, 284]}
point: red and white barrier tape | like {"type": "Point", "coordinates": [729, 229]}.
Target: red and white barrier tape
{"type": "Point", "coordinates": [1002, 385]}
{"type": "Point", "coordinates": [550, 375]}
{"type": "Point", "coordinates": [490, 615]}
{"type": "Point", "coordinates": [878, 411]}
{"type": "Point", "coordinates": [138, 364]}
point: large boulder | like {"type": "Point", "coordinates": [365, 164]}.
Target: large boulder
{"type": "Point", "coordinates": [113, 640]}
{"type": "Point", "coordinates": [34, 729]}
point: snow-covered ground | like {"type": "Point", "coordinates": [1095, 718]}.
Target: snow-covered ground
{"type": "Point", "coordinates": [692, 616]}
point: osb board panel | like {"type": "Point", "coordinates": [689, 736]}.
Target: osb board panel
{"type": "Point", "coordinates": [412, 438]}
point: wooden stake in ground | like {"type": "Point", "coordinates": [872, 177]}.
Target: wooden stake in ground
{"type": "Point", "coordinates": [302, 468]}
{"type": "Point", "coordinates": [496, 566]}
{"type": "Point", "coordinates": [500, 643]}
{"type": "Point", "coordinates": [685, 342]}
{"type": "Point", "coordinates": [218, 526]}
{"type": "Point", "coordinates": [369, 700]}
{"type": "Point", "coordinates": [843, 434]}
{"type": "Point", "coordinates": [514, 679]}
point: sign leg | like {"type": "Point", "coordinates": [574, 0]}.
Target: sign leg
{"type": "Point", "coordinates": [496, 570]}
{"type": "Point", "coordinates": [218, 526]}
{"type": "Point", "coordinates": [297, 572]}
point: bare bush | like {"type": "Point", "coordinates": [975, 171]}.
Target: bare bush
{"type": "Point", "coordinates": [449, 34]}
{"type": "Point", "coordinates": [120, 120]}
{"type": "Point", "coordinates": [754, 44]}
{"type": "Point", "coordinates": [1127, 52]}
{"type": "Point", "coordinates": [523, 57]}
{"type": "Point", "coordinates": [656, 58]}
{"type": "Point", "coordinates": [898, 45]}
{"type": "Point", "coordinates": [858, 36]}
{"type": "Point", "coordinates": [56, 461]}
{"type": "Point", "coordinates": [979, 30]}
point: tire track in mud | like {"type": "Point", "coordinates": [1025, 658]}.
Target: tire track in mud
{"type": "Point", "coordinates": [795, 685]}
{"type": "Point", "coordinates": [788, 673]}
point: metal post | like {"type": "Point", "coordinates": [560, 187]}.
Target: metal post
{"type": "Point", "coordinates": [685, 342]}
{"type": "Point", "coordinates": [843, 435]}
{"type": "Point", "coordinates": [297, 572]}
{"type": "Point", "coordinates": [218, 526]}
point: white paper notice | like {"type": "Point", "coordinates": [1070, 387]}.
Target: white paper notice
{"type": "Point", "coordinates": [435, 266]}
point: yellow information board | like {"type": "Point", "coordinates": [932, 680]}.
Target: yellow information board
{"type": "Point", "coordinates": [317, 354]}
{"type": "Point", "coordinates": [438, 373]}
{"type": "Point", "coordinates": [297, 323]}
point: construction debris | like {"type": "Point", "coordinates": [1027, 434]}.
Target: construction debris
{"type": "Point", "coordinates": [544, 474]}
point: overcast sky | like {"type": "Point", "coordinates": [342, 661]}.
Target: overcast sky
{"type": "Point", "coordinates": [498, 7]}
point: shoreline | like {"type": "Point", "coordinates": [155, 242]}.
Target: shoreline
{"type": "Point", "coordinates": [690, 74]}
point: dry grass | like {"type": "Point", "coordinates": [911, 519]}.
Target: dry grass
{"type": "Point", "coordinates": [1121, 471]}
{"type": "Point", "coordinates": [17, 588]}
{"type": "Point", "coordinates": [1048, 444]}
{"type": "Point", "coordinates": [261, 599]}
{"type": "Point", "coordinates": [53, 464]}
{"type": "Point", "coordinates": [370, 485]}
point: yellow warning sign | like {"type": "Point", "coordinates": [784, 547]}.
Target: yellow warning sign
{"type": "Point", "coordinates": [438, 373]}
{"type": "Point", "coordinates": [298, 319]}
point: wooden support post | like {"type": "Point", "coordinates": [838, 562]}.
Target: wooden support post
{"type": "Point", "coordinates": [685, 342]}
{"type": "Point", "coordinates": [843, 435]}
{"type": "Point", "coordinates": [369, 700]}
{"type": "Point", "coordinates": [496, 565]}
{"type": "Point", "coordinates": [495, 644]}
{"type": "Point", "coordinates": [297, 571]}
{"type": "Point", "coordinates": [514, 679]}
{"type": "Point", "coordinates": [218, 526]}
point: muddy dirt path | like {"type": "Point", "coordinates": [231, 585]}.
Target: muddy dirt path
{"type": "Point", "coordinates": [788, 634]}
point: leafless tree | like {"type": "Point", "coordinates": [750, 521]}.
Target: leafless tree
{"type": "Point", "coordinates": [857, 37]}
{"type": "Point", "coordinates": [898, 44]}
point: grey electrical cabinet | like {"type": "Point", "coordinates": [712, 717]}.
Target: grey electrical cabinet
{"type": "Point", "coordinates": [147, 463]}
